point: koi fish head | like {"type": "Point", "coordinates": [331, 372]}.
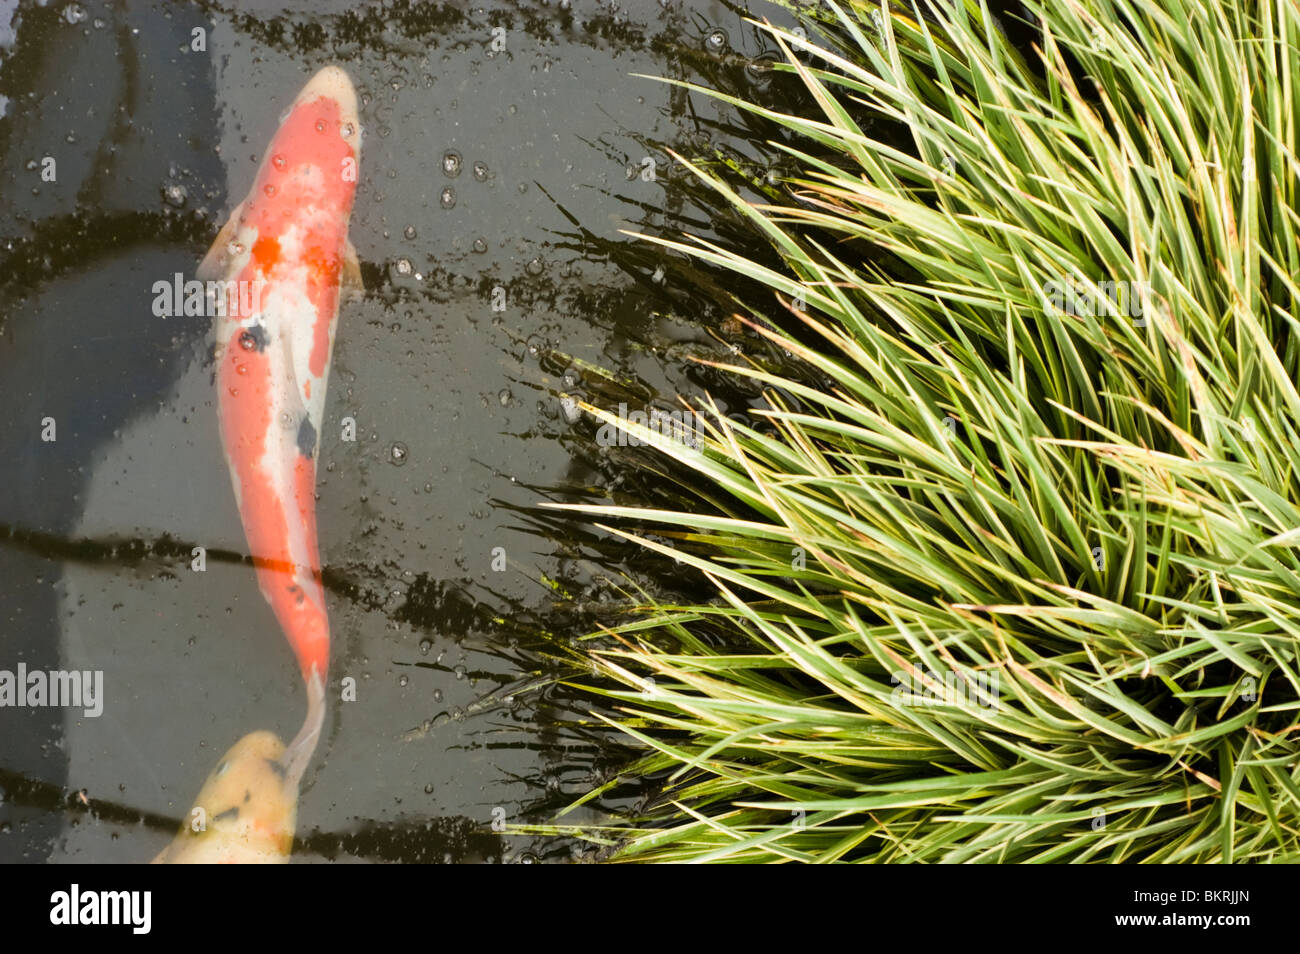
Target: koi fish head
{"type": "Point", "coordinates": [323, 120]}
{"type": "Point", "coordinates": [313, 159]}
{"type": "Point", "coordinates": [246, 811]}
{"type": "Point", "coordinates": [332, 83]}
{"type": "Point", "coordinates": [308, 175]}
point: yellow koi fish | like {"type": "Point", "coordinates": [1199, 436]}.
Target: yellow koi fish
{"type": "Point", "coordinates": [245, 812]}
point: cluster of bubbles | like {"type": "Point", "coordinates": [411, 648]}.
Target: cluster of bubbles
{"type": "Point", "coordinates": [757, 70]}
{"type": "Point", "coordinates": [452, 166]}
{"type": "Point", "coordinates": [537, 348]}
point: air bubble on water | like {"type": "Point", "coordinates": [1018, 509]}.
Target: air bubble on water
{"type": "Point", "coordinates": [174, 194]}
{"type": "Point", "coordinates": [534, 267]}
{"type": "Point", "coordinates": [437, 695]}
{"type": "Point", "coordinates": [320, 125]}
{"type": "Point", "coordinates": [73, 13]}
{"type": "Point", "coordinates": [536, 346]}
{"type": "Point", "coordinates": [572, 378]}
{"type": "Point", "coordinates": [278, 161]}
{"type": "Point", "coordinates": [716, 41]}
{"type": "Point", "coordinates": [479, 246]}
{"type": "Point", "coordinates": [451, 163]}
{"type": "Point", "coordinates": [398, 453]}
{"type": "Point", "coordinates": [425, 646]}
{"type": "Point", "coordinates": [402, 681]}
{"type": "Point", "coordinates": [403, 266]}
{"type": "Point", "coordinates": [347, 130]}
{"type": "Point", "coordinates": [428, 789]}
{"type": "Point", "coordinates": [457, 713]}
{"type": "Point", "coordinates": [481, 171]}
{"type": "Point", "coordinates": [409, 232]}
{"type": "Point", "coordinates": [269, 190]}
{"type": "Point", "coordinates": [505, 397]}
{"type": "Point", "coordinates": [428, 488]}
{"type": "Point", "coordinates": [759, 69]}
{"type": "Point", "coordinates": [569, 408]}
{"type": "Point", "coordinates": [448, 198]}
{"type": "Point", "coordinates": [460, 672]}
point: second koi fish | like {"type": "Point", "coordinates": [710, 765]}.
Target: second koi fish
{"type": "Point", "coordinates": [248, 808]}
{"type": "Point", "coordinates": [289, 240]}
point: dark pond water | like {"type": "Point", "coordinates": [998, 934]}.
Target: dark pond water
{"type": "Point", "coordinates": [482, 168]}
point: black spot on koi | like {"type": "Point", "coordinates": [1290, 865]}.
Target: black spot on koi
{"type": "Point", "coordinates": [306, 437]}
{"type": "Point", "coordinates": [254, 338]}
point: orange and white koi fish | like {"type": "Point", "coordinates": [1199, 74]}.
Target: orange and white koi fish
{"type": "Point", "coordinates": [288, 239]}
{"type": "Point", "coordinates": [248, 808]}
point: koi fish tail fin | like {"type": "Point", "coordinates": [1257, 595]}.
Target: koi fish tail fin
{"type": "Point", "coordinates": [299, 752]}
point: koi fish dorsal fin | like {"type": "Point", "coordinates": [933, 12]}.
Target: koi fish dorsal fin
{"type": "Point", "coordinates": [213, 266]}
{"type": "Point", "coordinates": [350, 281]}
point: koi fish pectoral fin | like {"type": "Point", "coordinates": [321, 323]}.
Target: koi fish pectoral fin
{"type": "Point", "coordinates": [350, 282]}
{"type": "Point", "coordinates": [216, 262]}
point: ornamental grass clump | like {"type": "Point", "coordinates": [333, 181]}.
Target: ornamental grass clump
{"type": "Point", "coordinates": [1005, 561]}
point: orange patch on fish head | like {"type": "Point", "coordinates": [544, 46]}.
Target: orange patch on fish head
{"type": "Point", "coordinates": [315, 155]}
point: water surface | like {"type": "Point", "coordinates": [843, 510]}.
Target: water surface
{"type": "Point", "coordinates": [488, 176]}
